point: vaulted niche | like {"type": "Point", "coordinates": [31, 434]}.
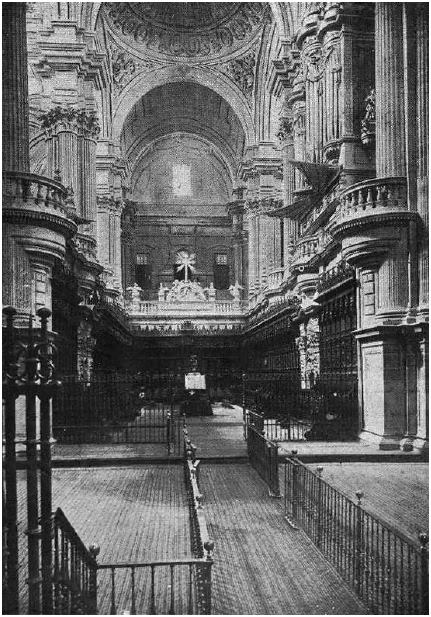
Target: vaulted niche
{"type": "Point", "coordinates": [183, 143]}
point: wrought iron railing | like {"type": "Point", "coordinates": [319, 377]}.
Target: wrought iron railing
{"type": "Point", "coordinates": [61, 572]}
{"type": "Point", "coordinates": [322, 412]}
{"type": "Point", "coordinates": [74, 580]}
{"type": "Point", "coordinates": [174, 587]}
{"type": "Point", "coordinates": [117, 408]}
{"type": "Point", "coordinates": [387, 571]}
{"type": "Point", "coordinates": [263, 455]}
{"type": "Point", "coordinates": [294, 429]}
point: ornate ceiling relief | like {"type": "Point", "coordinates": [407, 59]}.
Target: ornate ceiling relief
{"type": "Point", "coordinates": [188, 30]}
{"type": "Point", "coordinates": [242, 72]}
{"type": "Point", "coordinates": [125, 66]}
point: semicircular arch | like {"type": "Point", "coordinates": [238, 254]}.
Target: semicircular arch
{"type": "Point", "coordinates": [206, 77]}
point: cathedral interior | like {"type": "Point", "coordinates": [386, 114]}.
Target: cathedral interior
{"type": "Point", "coordinates": [240, 188]}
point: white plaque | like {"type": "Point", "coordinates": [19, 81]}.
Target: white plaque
{"type": "Point", "coordinates": [195, 381]}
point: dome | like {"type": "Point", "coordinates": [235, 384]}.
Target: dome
{"type": "Point", "coordinates": [187, 30]}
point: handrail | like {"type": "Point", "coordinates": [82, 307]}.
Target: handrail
{"type": "Point", "coordinates": [63, 523]}
{"type": "Point", "coordinates": [74, 573]}
{"type": "Point", "coordinates": [145, 564]}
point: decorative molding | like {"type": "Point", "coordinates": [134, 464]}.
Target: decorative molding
{"type": "Point", "coordinates": [368, 122]}
{"type": "Point", "coordinates": [285, 129]}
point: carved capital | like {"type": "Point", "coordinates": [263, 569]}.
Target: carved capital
{"type": "Point", "coordinates": [72, 119]}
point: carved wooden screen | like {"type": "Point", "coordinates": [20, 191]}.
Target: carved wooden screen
{"type": "Point", "coordinates": [338, 355]}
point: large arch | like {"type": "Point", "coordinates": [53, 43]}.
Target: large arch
{"type": "Point", "coordinates": [204, 76]}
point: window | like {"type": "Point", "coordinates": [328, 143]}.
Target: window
{"type": "Point", "coordinates": [221, 271]}
{"type": "Point", "coordinates": [143, 270]}
{"type": "Point", "coordinates": [221, 259]}
{"type": "Point", "coordinates": [142, 259]}
{"type": "Point", "coordinates": [181, 181]}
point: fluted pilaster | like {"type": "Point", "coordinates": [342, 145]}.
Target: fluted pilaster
{"type": "Point", "coordinates": [15, 88]}
{"type": "Point", "coordinates": [390, 119]}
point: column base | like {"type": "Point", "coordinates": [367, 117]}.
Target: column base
{"type": "Point", "coordinates": [385, 442]}
{"type": "Point", "coordinates": [420, 444]}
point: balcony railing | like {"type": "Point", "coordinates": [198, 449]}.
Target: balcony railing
{"type": "Point", "coordinates": [24, 189]}
{"type": "Point", "coordinates": [187, 309]}
{"type": "Point", "coordinates": [36, 197]}
{"type": "Point", "coordinates": [305, 249]}
{"type": "Point", "coordinates": [275, 278]}
{"type": "Point", "coordinates": [375, 196]}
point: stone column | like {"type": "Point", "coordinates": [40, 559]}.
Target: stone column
{"type": "Point", "coordinates": [288, 154]}
{"type": "Point", "coordinates": [15, 88]}
{"type": "Point", "coordinates": [297, 103]}
{"type": "Point", "coordinates": [422, 131]}
{"type": "Point", "coordinates": [312, 59]}
{"type": "Point", "coordinates": [88, 175]}
{"type": "Point", "coordinates": [390, 120]}
{"type": "Point", "coordinates": [252, 249]}
{"type": "Point", "coordinates": [61, 134]}
{"type": "Point", "coordinates": [236, 212]}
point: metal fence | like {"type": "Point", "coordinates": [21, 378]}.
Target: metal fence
{"type": "Point", "coordinates": [74, 581]}
{"type": "Point", "coordinates": [323, 412]}
{"type": "Point", "coordinates": [263, 455]}
{"type": "Point", "coordinates": [385, 569]}
{"type": "Point", "coordinates": [118, 409]}
{"type": "Point", "coordinates": [61, 572]}
{"type": "Point", "coordinates": [152, 588]}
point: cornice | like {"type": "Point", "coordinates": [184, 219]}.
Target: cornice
{"type": "Point", "coordinates": [57, 223]}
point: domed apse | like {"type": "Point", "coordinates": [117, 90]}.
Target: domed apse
{"type": "Point", "coordinates": [183, 142]}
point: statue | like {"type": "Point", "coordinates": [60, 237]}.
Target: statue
{"type": "Point", "coordinates": [211, 292]}
{"type": "Point", "coordinates": [186, 291]}
{"type": "Point", "coordinates": [235, 291]}
{"type": "Point", "coordinates": [135, 296]}
{"type": "Point", "coordinates": [162, 292]}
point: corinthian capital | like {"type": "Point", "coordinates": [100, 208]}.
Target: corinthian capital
{"type": "Point", "coordinates": [70, 118]}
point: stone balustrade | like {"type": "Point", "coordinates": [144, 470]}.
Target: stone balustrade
{"type": "Point", "coordinates": [378, 196]}
{"type": "Point", "coordinates": [275, 278]}
{"type": "Point", "coordinates": [26, 191]}
{"type": "Point", "coordinates": [185, 309]}
{"type": "Point", "coordinates": [86, 245]}
{"type": "Point", "coordinates": [39, 204]}
{"type": "Point", "coordinates": [305, 249]}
